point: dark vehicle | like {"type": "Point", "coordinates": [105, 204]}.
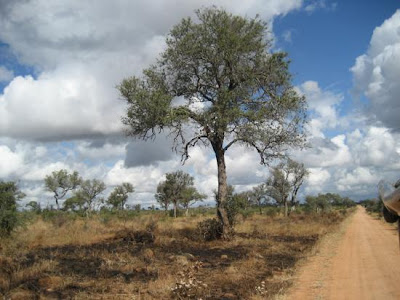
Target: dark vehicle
{"type": "Point", "coordinates": [390, 196]}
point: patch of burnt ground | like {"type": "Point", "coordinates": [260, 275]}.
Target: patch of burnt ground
{"type": "Point", "coordinates": [93, 269]}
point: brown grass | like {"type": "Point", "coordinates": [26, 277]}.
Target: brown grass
{"type": "Point", "coordinates": [153, 257]}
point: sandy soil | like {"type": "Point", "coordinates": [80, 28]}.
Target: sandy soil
{"type": "Point", "coordinates": [360, 261]}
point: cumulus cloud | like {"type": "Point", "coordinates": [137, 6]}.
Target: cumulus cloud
{"type": "Point", "coordinates": [376, 73]}
{"type": "Point", "coordinates": [10, 162]}
{"type": "Point", "coordinates": [81, 51]}
{"type": "Point", "coordinates": [324, 108]}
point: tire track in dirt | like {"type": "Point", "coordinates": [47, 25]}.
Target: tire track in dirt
{"type": "Point", "coordinates": [360, 261]}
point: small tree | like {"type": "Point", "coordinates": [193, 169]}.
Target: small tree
{"type": "Point", "coordinates": [318, 204]}
{"type": "Point", "coordinates": [34, 206]}
{"type": "Point", "coordinates": [285, 181]}
{"type": "Point", "coordinates": [174, 189]}
{"type": "Point", "coordinates": [119, 195]}
{"type": "Point", "coordinates": [234, 91]}
{"type": "Point", "coordinates": [61, 182]}
{"type": "Point", "coordinates": [74, 203]}
{"type": "Point", "coordinates": [190, 195]}
{"type": "Point", "coordinates": [163, 196]}
{"type": "Point", "coordinates": [88, 192]}
{"type": "Point", "coordinates": [9, 195]}
{"type": "Point", "coordinates": [259, 195]}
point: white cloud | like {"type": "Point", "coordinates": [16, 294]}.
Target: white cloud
{"type": "Point", "coordinates": [324, 108]}
{"type": "Point", "coordinates": [58, 105]}
{"type": "Point", "coordinates": [5, 74]}
{"type": "Point", "coordinates": [81, 51]}
{"type": "Point", "coordinates": [10, 162]}
{"type": "Point", "coordinates": [376, 73]}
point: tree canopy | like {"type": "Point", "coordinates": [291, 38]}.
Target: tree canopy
{"type": "Point", "coordinates": [218, 84]}
{"type": "Point", "coordinates": [178, 188]}
{"type": "Point", "coordinates": [119, 195]}
{"type": "Point", "coordinates": [88, 191]}
{"type": "Point", "coordinates": [61, 182]}
{"type": "Point", "coordinates": [285, 181]}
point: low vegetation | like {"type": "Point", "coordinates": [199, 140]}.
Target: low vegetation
{"type": "Point", "coordinates": [129, 254]}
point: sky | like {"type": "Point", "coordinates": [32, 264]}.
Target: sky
{"type": "Point", "coordinates": [60, 63]}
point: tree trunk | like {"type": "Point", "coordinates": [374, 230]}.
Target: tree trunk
{"type": "Point", "coordinates": [174, 210]}
{"type": "Point", "coordinates": [286, 208]}
{"type": "Point", "coordinates": [222, 192]}
{"type": "Point", "coordinates": [58, 206]}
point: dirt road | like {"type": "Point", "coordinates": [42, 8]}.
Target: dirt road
{"type": "Point", "coordinates": [361, 261]}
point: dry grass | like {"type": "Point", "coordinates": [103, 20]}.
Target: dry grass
{"type": "Point", "coordinates": [153, 257]}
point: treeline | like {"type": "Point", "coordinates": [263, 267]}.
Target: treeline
{"type": "Point", "coordinates": [176, 194]}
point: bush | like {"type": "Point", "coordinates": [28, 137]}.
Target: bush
{"type": "Point", "coordinates": [210, 229]}
{"type": "Point", "coordinates": [9, 195]}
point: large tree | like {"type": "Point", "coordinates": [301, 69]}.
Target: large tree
{"type": "Point", "coordinates": [61, 182]}
{"type": "Point", "coordinates": [218, 84]}
{"type": "Point", "coordinates": [285, 181]}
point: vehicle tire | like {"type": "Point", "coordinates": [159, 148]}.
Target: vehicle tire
{"type": "Point", "coordinates": [388, 216]}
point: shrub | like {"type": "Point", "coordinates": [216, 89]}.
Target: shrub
{"type": "Point", "coordinates": [9, 195]}
{"type": "Point", "coordinates": [210, 229]}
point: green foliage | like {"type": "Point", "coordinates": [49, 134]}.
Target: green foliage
{"type": "Point", "coordinates": [61, 182]}
{"type": "Point", "coordinates": [372, 205]}
{"type": "Point", "coordinates": [234, 204]}
{"type": "Point", "coordinates": [34, 206]}
{"type": "Point", "coordinates": [88, 191]}
{"type": "Point", "coordinates": [324, 202]}
{"type": "Point", "coordinates": [318, 204]}
{"type": "Point", "coordinates": [119, 195]}
{"type": "Point", "coordinates": [285, 181]}
{"type": "Point", "coordinates": [73, 203]}
{"type": "Point", "coordinates": [177, 189]}
{"type": "Point", "coordinates": [9, 195]}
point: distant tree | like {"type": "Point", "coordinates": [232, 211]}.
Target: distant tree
{"type": "Point", "coordinates": [137, 207]}
{"type": "Point", "coordinates": [190, 195]}
{"type": "Point", "coordinates": [234, 90]}
{"type": "Point", "coordinates": [285, 181]}
{"type": "Point", "coordinates": [9, 195]}
{"type": "Point", "coordinates": [259, 195]}
{"type": "Point", "coordinates": [178, 188]}
{"type": "Point", "coordinates": [119, 195]}
{"type": "Point", "coordinates": [88, 191]}
{"type": "Point", "coordinates": [318, 203]}
{"type": "Point", "coordinates": [74, 203]}
{"type": "Point", "coordinates": [34, 206]}
{"type": "Point", "coordinates": [163, 195]}
{"type": "Point", "coordinates": [61, 182]}
{"type": "Point", "coordinates": [243, 199]}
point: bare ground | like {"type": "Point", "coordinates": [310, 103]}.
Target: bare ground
{"type": "Point", "coordinates": [360, 261]}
